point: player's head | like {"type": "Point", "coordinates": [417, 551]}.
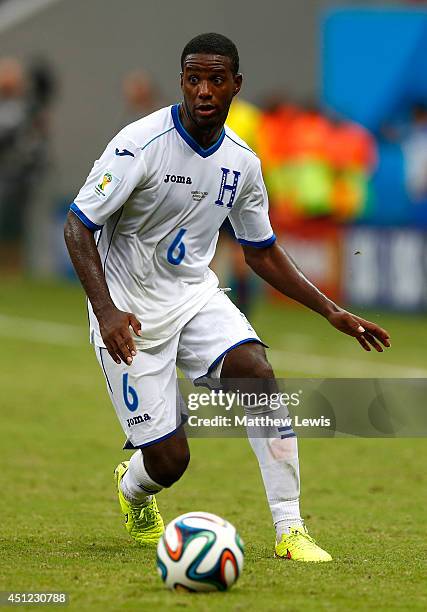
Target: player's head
{"type": "Point", "coordinates": [212, 44]}
{"type": "Point", "coordinates": [210, 78]}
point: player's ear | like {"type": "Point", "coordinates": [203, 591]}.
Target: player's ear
{"type": "Point", "coordinates": [238, 78]}
{"type": "Point", "coordinates": [181, 77]}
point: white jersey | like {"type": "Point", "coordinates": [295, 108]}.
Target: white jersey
{"type": "Point", "coordinates": [156, 200]}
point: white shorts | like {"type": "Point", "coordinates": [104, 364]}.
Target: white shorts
{"type": "Point", "coordinates": [144, 394]}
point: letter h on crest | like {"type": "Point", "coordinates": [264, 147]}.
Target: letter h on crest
{"type": "Point", "coordinates": [227, 187]}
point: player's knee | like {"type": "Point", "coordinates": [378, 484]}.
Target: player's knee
{"type": "Point", "coordinates": [174, 467]}
{"type": "Point", "coordinates": [247, 361]}
{"type": "Point", "coordinates": [180, 463]}
{"type": "Point", "coordinates": [167, 468]}
{"type": "Point", "coordinates": [262, 369]}
{"type": "Point", "coordinates": [257, 366]}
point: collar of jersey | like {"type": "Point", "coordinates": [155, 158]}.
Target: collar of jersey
{"type": "Point", "coordinates": [190, 140]}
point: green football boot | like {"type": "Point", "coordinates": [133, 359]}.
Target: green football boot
{"type": "Point", "coordinates": [142, 521]}
{"type": "Point", "coordinates": [300, 546]}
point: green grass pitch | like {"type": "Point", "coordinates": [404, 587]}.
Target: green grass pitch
{"type": "Point", "coordinates": [364, 500]}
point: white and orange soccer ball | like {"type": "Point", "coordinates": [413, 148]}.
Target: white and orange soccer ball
{"type": "Point", "coordinates": [200, 551]}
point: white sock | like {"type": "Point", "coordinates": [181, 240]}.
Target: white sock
{"type": "Point", "coordinates": [291, 518]}
{"type": "Point", "coordinates": [137, 485]}
{"type": "Point", "coordinates": [279, 465]}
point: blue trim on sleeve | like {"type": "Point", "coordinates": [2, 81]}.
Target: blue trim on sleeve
{"type": "Point", "coordinates": [230, 348]}
{"type": "Point", "coordinates": [190, 140]}
{"type": "Point", "coordinates": [258, 245]}
{"type": "Point", "coordinates": [89, 224]}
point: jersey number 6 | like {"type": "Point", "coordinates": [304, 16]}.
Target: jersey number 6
{"type": "Point", "coordinates": [176, 251]}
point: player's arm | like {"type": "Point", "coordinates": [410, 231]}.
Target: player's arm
{"type": "Point", "coordinates": [113, 323]}
{"type": "Point", "coordinates": [111, 181]}
{"type": "Point", "coordinates": [252, 227]}
{"type": "Point", "coordinates": [277, 268]}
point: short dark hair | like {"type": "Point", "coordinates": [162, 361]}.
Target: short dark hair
{"type": "Point", "coordinates": [212, 44]}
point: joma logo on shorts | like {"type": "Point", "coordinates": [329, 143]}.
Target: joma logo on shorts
{"type": "Point", "coordinates": [138, 419]}
{"type": "Point", "coordinates": [177, 178]}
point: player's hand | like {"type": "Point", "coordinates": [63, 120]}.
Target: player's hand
{"type": "Point", "coordinates": [366, 333]}
{"type": "Point", "coordinates": [114, 327]}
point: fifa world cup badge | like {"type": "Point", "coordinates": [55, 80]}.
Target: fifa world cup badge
{"type": "Point", "coordinates": [106, 179]}
{"type": "Point", "coordinates": [107, 184]}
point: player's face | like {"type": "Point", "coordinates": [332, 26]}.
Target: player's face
{"type": "Point", "coordinates": [208, 85]}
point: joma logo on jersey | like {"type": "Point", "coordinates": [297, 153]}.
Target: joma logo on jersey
{"type": "Point", "coordinates": [177, 178]}
{"type": "Point", "coordinates": [138, 419]}
{"type": "Point", "coordinates": [230, 188]}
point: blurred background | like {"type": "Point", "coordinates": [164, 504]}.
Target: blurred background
{"type": "Point", "coordinates": [334, 102]}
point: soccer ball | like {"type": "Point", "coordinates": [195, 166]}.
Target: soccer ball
{"type": "Point", "coordinates": [200, 551]}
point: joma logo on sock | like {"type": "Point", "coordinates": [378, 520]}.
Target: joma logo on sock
{"type": "Point", "coordinates": [138, 419]}
{"type": "Point", "coordinates": [176, 178]}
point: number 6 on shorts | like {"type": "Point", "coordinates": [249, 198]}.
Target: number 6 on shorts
{"type": "Point", "coordinates": [129, 394]}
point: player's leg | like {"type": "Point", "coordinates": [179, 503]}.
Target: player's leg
{"type": "Point", "coordinates": [145, 400]}
{"type": "Point", "coordinates": [220, 342]}
{"type": "Point", "coordinates": [149, 470]}
{"type": "Point", "coordinates": [247, 368]}
{"type": "Point", "coordinates": [155, 467]}
{"type": "Point", "coordinates": [277, 453]}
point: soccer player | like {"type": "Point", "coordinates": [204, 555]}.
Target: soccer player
{"type": "Point", "coordinates": [141, 234]}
